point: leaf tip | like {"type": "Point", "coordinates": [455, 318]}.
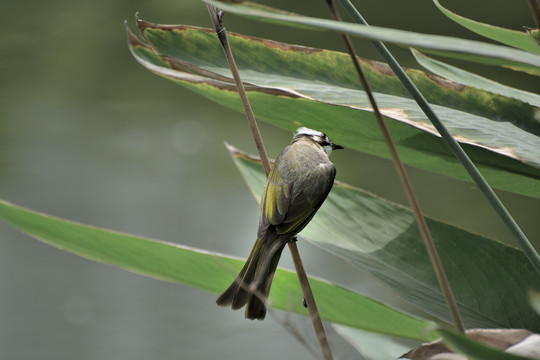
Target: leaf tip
{"type": "Point", "coordinates": [231, 149]}
{"type": "Point", "coordinates": [142, 24]}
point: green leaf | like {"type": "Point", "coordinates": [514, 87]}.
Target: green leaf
{"type": "Point", "coordinates": [290, 86]}
{"type": "Point", "coordinates": [207, 271]}
{"type": "Point", "coordinates": [449, 46]}
{"type": "Point", "coordinates": [467, 78]}
{"type": "Point", "coordinates": [531, 70]}
{"type": "Point", "coordinates": [475, 349]}
{"type": "Point", "coordinates": [489, 280]}
{"type": "Point", "coordinates": [517, 39]}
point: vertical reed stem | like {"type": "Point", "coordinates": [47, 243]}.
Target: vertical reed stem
{"type": "Point", "coordinates": [420, 220]}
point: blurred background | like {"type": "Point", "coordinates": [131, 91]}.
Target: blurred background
{"type": "Point", "coordinates": [87, 134]}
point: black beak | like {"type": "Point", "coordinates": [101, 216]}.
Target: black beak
{"type": "Point", "coordinates": [336, 146]}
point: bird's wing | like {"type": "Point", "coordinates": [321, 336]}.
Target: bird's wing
{"type": "Point", "coordinates": [306, 200]}
{"type": "Point", "coordinates": [290, 202]}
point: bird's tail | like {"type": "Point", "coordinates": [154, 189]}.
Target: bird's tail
{"type": "Point", "coordinates": [252, 285]}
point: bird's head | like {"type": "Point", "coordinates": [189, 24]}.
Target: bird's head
{"type": "Point", "coordinates": [317, 137]}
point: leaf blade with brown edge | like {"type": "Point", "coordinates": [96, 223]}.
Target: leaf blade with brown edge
{"type": "Point", "coordinates": [352, 124]}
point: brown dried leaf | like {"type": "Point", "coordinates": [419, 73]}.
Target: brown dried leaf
{"type": "Point", "coordinates": [497, 338]}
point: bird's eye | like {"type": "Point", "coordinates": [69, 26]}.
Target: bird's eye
{"type": "Point", "coordinates": [321, 140]}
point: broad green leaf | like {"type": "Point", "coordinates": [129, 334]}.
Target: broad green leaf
{"type": "Point", "coordinates": [476, 350]}
{"type": "Point", "coordinates": [489, 280]}
{"type": "Point", "coordinates": [207, 271]}
{"type": "Point", "coordinates": [517, 39]}
{"type": "Point", "coordinates": [465, 49]}
{"type": "Point", "coordinates": [328, 76]}
{"type": "Point", "coordinates": [467, 78]}
{"type": "Point", "coordinates": [292, 85]}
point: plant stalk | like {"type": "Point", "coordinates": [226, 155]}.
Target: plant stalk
{"type": "Point", "coordinates": [310, 301]}
{"type": "Point", "coordinates": [400, 168]}
{"type": "Point", "coordinates": [298, 264]}
{"type": "Point", "coordinates": [221, 33]}
{"type": "Point", "coordinates": [534, 7]}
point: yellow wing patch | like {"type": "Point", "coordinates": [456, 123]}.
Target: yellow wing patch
{"type": "Point", "coordinates": [276, 196]}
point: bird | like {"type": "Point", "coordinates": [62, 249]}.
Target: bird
{"type": "Point", "coordinates": [297, 185]}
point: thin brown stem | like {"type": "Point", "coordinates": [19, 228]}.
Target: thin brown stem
{"type": "Point", "coordinates": [534, 7]}
{"type": "Point", "coordinates": [302, 277]}
{"type": "Point", "coordinates": [400, 168]}
{"type": "Point", "coordinates": [222, 35]}
{"type": "Point", "coordinates": [310, 301]}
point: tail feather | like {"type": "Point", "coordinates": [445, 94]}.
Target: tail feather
{"type": "Point", "coordinates": [236, 295]}
{"type": "Point", "coordinates": [256, 307]}
{"type": "Point", "coordinates": [252, 285]}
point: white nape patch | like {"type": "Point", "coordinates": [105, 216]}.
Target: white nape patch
{"type": "Point", "coordinates": [308, 131]}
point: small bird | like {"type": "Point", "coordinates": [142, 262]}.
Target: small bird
{"type": "Point", "coordinates": [297, 185]}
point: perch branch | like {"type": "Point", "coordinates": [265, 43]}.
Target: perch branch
{"type": "Point", "coordinates": [302, 276]}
